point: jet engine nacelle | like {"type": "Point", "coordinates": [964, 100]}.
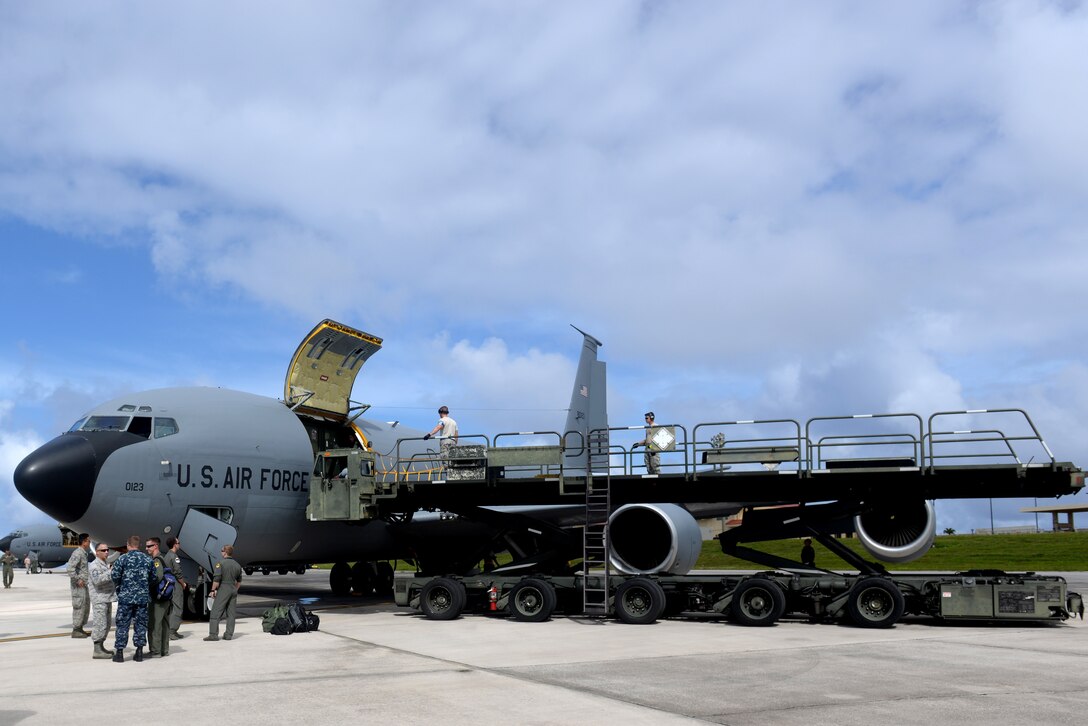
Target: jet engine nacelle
{"type": "Point", "coordinates": [653, 538]}
{"type": "Point", "coordinates": [898, 532]}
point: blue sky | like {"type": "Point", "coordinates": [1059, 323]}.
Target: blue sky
{"type": "Point", "coordinates": [764, 211]}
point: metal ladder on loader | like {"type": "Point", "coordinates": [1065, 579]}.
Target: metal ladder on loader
{"type": "Point", "coordinates": [595, 565]}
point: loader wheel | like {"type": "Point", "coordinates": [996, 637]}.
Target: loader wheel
{"type": "Point", "coordinates": [875, 603]}
{"type": "Point", "coordinates": [442, 599]}
{"type": "Point", "coordinates": [532, 600]}
{"type": "Point", "coordinates": [194, 604]}
{"type": "Point", "coordinates": [757, 601]}
{"type": "Point", "coordinates": [639, 601]}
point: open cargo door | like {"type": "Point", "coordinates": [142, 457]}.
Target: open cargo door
{"type": "Point", "coordinates": [323, 369]}
{"type": "Point", "coordinates": [203, 536]}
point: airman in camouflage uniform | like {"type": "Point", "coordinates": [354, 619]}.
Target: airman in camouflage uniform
{"type": "Point", "coordinates": [132, 575]}
{"type": "Point", "coordinates": [225, 584]}
{"type": "Point", "coordinates": [79, 575]}
{"type": "Point", "coordinates": [103, 596]}
{"type": "Point", "coordinates": [9, 567]}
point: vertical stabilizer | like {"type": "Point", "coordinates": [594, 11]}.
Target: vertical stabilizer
{"type": "Point", "coordinates": [588, 410]}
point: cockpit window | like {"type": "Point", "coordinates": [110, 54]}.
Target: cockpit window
{"type": "Point", "coordinates": [78, 424]}
{"type": "Point", "coordinates": [128, 407]}
{"type": "Point", "coordinates": [165, 427]}
{"type": "Point", "coordinates": [141, 426]}
{"type": "Point", "coordinates": [105, 423]}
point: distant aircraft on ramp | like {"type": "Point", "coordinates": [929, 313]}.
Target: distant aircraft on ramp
{"type": "Point", "coordinates": [48, 545]}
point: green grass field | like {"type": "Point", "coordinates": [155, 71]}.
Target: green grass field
{"type": "Point", "coordinates": [1061, 551]}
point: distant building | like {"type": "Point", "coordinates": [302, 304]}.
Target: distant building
{"type": "Point", "coordinates": [1056, 510]}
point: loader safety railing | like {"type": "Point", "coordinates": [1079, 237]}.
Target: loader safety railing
{"type": "Point", "coordinates": [858, 442]}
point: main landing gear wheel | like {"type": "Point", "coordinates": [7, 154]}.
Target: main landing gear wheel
{"type": "Point", "coordinates": [531, 600]}
{"type": "Point", "coordinates": [875, 603]}
{"type": "Point", "coordinates": [340, 579]}
{"type": "Point", "coordinates": [383, 578]}
{"type": "Point", "coordinates": [639, 601]}
{"type": "Point", "coordinates": [362, 578]}
{"type": "Point", "coordinates": [757, 601]}
{"type": "Point", "coordinates": [442, 599]}
{"type": "Point", "coordinates": [194, 603]}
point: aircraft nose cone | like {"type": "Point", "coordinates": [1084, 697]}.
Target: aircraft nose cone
{"type": "Point", "coordinates": [5, 544]}
{"type": "Point", "coordinates": [58, 478]}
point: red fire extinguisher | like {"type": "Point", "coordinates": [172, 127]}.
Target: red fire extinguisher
{"type": "Point", "coordinates": [493, 597]}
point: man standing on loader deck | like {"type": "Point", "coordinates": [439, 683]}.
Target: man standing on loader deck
{"type": "Point", "coordinates": [448, 428]}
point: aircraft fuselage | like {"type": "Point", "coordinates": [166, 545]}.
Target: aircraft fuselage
{"type": "Point", "coordinates": [241, 458]}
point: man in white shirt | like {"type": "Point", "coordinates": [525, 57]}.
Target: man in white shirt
{"type": "Point", "coordinates": [448, 428]}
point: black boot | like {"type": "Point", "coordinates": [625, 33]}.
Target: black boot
{"type": "Point", "coordinates": [139, 656]}
{"type": "Point", "coordinates": [118, 656]}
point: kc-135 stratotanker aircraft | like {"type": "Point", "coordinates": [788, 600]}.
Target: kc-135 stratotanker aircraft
{"type": "Point", "coordinates": [307, 479]}
{"type": "Point", "coordinates": [47, 545]}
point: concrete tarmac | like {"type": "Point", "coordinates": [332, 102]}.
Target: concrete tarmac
{"type": "Point", "coordinates": [372, 661]}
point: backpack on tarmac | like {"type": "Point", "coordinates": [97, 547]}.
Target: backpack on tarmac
{"type": "Point", "coordinates": [163, 589]}
{"type": "Point", "coordinates": [281, 627]}
{"type": "Point", "coordinates": [273, 614]}
{"type": "Point", "coordinates": [301, 620]}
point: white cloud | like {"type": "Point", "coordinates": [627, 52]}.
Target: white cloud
{"type": "Point", "coordinates": [14, 446]}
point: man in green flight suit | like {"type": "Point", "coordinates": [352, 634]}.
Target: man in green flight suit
{"type": "Point", "coordinates": [225, 583]}
{"type": "Point", "coordinates": [158, 631]}
{"type": "Point", "coordinates": [9, 567]}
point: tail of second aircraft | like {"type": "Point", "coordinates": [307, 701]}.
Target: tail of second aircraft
{"type": "Point", "coordinates": [588, 412]}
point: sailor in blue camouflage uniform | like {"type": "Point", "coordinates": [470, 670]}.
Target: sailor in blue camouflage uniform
{"type": "Point", "coordinates": [132, 575]}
